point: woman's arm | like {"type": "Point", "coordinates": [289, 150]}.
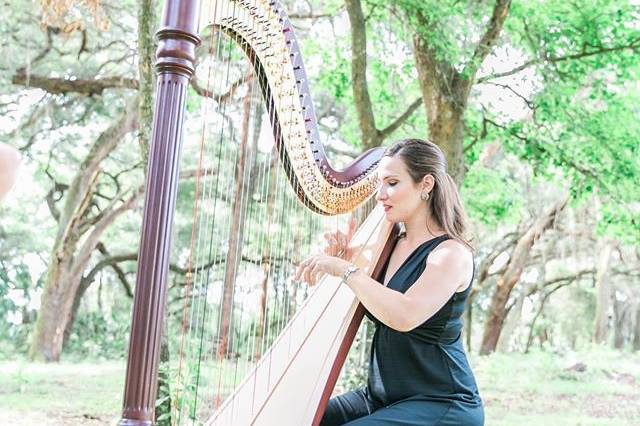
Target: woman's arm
{"type": "Point", "coordinates": [9, 162]}
{"type": "Point", "coordinates": [448, 267]}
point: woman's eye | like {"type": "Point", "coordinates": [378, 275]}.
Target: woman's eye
{"type": "Point", "coordinates": [392, 183]}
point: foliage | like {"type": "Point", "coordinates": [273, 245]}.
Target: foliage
{"type": "Point", "coordinates": [100, 335]}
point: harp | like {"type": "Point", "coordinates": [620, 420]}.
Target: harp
{"type": "Point", "coordinates": [288, 379]}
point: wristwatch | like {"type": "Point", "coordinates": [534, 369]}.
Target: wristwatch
{"type": "Point", "coordinates": [350, 270]}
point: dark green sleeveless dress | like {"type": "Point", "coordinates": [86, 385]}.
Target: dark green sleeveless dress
{"type": "Point", "coordinates": [420, 377]}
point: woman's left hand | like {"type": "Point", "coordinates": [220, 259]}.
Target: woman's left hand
{"type": "Point", "coordinates": [311, 268]}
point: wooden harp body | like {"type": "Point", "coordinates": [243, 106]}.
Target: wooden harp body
{"type": "Point", "coordinates": [292, 381]}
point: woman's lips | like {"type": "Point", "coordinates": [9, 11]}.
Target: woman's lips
{"type": "Point", "coordinates": [387, 208]}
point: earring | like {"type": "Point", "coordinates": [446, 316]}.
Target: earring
{"type": "Point", "coordinates": [424, 196]}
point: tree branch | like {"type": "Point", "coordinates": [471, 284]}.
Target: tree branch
{"type": "Point", "coordinates": [488, 40]}
{"type": "Point", "coordinates": [62, 86]}
{"type": "Point", "coordinates": [192, 173]}
{"type": "Point", "coordinates": [205, 92]}
{"type": "Point", "coordinates": [561, 281]}
{"type": "Point", "coordinates": [384, 133]}
{"type": "Point", "coordinates": [58, 188]}
{"type": "Point", "coordinates": [310, 15]}
{"type": "Point", "coordinates": [561, 156]}
{"type": "Point", "coordinates": [79, 194]}
{"type": "Point", "coordinates": [504, 244]}
{"type": "Point", "coordinates": [529, 103]}
{"type": "Point", "coordinates": [109, 261]}
{"type": "Point", "coordinates": [364, 109]}
{"type": "Point", "coordinates": [633, 45]}
{"type": "Point", "coordinates": [84, 253]}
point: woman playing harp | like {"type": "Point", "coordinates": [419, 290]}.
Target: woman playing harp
{"type": "Point", "coordinates": [222, 380]}
{"type": "Point", "coordinates": [418, 371]}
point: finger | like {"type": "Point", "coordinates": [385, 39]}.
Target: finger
{"type": "Point", "coordinates": [328, 237]}
{"type": "Point", "coordinates": [308, 270]}
{"type": "Point", "coordinates": [298, 274]}
{"type": "Point", "coordinates": [353, 224]}
{"type": "Point", "coordinates": [330, 246]}
{"type": "Point", "coordinates": [300, 269]}
{"type": "Point", "coordinates": [313, 275]}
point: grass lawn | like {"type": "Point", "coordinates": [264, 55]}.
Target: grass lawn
{"type": "Point", "coordinates": [543, 388]}
{"type": "Point", "coordinates": [533, 389]}
{"type": "Point", "coordinates": [61, 394]}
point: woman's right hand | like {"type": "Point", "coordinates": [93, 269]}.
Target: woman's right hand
{"type": "Point", "coordinates": [338, 242]}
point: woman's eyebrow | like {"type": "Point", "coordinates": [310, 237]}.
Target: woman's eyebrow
{"type": "Point", "coordinates": [389, 177]}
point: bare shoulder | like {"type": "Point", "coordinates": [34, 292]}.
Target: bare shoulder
{"type": "Point", "coordinates": [455, 256]}
{"type": "Point", "coordinates": [453, 251]}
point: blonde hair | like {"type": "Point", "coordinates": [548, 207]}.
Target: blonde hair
{"type": "Point", "coordinates": [426, 158]}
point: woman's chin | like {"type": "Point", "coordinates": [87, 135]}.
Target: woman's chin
{"type": "Point", "coordinates": [390, 217]}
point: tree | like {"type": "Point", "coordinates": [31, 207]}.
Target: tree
{"type": "Point", "coordinates": [511, 276]}
{"type": "Point", "coordinates": [79, 234]}
{"type": "Point", "coordinates": [86, 203]}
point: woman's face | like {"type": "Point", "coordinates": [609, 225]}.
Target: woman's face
{"type": "Point", "coordinates": [398, 194]}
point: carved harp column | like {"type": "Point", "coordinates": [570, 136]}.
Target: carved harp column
{"type": "Point", "coordinates": [175, 57]}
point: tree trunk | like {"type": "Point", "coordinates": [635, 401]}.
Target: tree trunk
{"type": "Point", "coordinates": [54, 313]}
{"type": "Point", "coordinates": [371, 136]}
{"type": "Point", "coordinates": [636, 330]}
{"type": "Point", "coordinates": [510, 278]}
{"type": "Point", "coordinates": [543, 300]}
{"type": "Point", "coordinates": [603, 295]}
{"type": "Point", "coordinates": [468, 325]}
{"type": "Point", "coordinates": [293, 295]}
{"type": "Point", "coordinates": [82, 288]}
{"type": "Point", "coordinates": [445, 89]}
{"type": "Point", "coordinates": [366, 120]}
{"type": "Point", "coordinates": [621, 316]}
{"type": "Point", "coordinates": [75, 241]}
{"type": "Point", "coordinates": [147, 22]}
{"type": "Point", "coordinates": [445, 104]}
{"type": "Point", "coordinates": [261, 329]}
{"type": "Point", "coordinates": [511, 324]}
{"type": "Point", "coordinates": [62, 283]}
{"type": "Point", "coordinates": [236, 232]}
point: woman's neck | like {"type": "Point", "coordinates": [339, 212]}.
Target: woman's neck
{"type": "Point", "coordinates": [421, 228]}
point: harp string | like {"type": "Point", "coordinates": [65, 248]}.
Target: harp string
{"type": "Point", "coordinates": [253, 213]}
{"type": "Point", "coordinates": [237, 323]}
{"type": "Point", "coordinates": [229, 348]}
{"type": "Point", "coordinates": [217, 339]}
{"type": "Point", "coordinates": [188, 296]}
{"type": "Point", "coordinates": [211, 369]}
{"type": "Point", "coordinates": [250, 154]}
{"type": "Point", "coordinates": [220, 155]}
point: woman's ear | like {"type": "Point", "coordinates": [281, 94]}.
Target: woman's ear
{"type": "Point", "coordinates": [428, 182]}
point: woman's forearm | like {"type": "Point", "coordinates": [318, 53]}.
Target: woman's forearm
{"type": "Point", "coordinates": [387, 305]}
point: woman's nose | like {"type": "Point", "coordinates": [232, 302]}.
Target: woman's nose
{"type": "Point", "coordinates": [381, 194]}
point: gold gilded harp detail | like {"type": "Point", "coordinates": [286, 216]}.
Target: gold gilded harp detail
{"type": "Point", "coordinates": [264, 29]}
{"type": "Point", "coordinates": [298, 371]}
